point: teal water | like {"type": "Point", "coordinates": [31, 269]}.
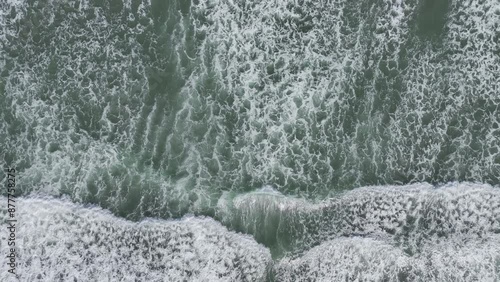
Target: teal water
{"type": "Point", "coordinates": [257, 114]}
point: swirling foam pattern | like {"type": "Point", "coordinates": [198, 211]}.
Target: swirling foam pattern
{"type": "Point", "coordinates": [152, 108]}
{"type": "Point", "coordinates": [344, 94]}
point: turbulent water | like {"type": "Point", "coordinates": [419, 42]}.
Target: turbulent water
{"type": "Point", "coordinates": [278, 140]}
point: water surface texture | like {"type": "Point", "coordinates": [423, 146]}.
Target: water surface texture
{"type": "Point", "coordinates": [349, 139]}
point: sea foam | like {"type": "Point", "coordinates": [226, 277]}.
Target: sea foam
{"type": "Point", "coordinates": [60, 241]}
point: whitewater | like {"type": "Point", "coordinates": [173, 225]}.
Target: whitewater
{"type": "Point", "coordinates": [231, 140]}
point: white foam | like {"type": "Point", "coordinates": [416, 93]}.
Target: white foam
{"type": "Point", "coordinates": [405, 215]}
{"type": "Point", "coordinates": [57, 240]}
{"type": "Point", "coordinates": [366, 259]}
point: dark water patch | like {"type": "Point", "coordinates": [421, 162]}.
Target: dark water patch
{"type": "Point", "coordinates": [431, 17]}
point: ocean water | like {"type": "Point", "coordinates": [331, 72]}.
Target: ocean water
{"type": "Point", "coordinates": [231, 140]}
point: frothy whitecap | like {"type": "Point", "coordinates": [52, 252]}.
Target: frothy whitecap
{"type": "Point", "coordinates": [60, 241]}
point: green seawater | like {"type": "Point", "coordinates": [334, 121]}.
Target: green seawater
{"type": "Point", "coordinates": [166, 108]}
